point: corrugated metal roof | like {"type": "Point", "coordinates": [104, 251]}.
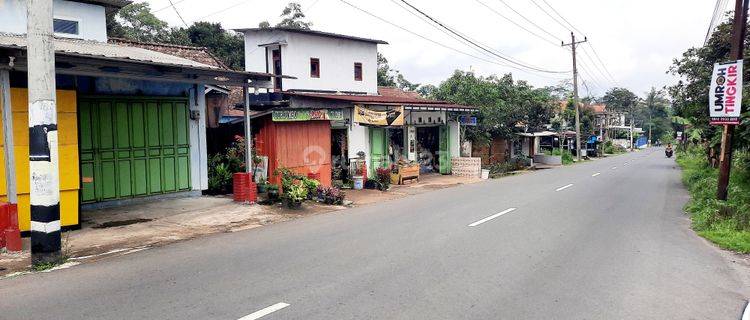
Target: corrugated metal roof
{"type": "Point", "coordinates": [192, 53]}
{"type": "Point", "coordinates": [105, 50]}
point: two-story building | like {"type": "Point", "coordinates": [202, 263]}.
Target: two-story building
{"type": "Point", "coordinates": [334, 111]}
{"type": "Point", "coordinates": [131, 120]}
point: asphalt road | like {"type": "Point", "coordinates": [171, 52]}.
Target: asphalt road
{"type": "Point", "coordinates": [577, 246]}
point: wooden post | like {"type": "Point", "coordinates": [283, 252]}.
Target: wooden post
{"type": "Point", "coordinates": [736, 53]}
{"type": "Point", "coordinates": [10, 161]}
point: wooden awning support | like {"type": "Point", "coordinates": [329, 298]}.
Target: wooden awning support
{"type": "Point", "coordinates": [10, 163]}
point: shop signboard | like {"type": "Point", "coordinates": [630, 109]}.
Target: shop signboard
{"type": "Point", "coordinates": [725, 97]}
{"type": "Point", "coordinates": [307, 115]}
{"type": "Point", "coordinates": [467, 120]}
{"type": "Point", "coordinates": [391, 117]}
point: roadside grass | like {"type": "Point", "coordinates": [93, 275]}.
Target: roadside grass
{"type": "Point", "coordinates": [725, 223]}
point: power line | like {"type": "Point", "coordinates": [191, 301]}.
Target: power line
{"type": "Point", "coordinates": [561, 16]}
{"type": "Point", "coordinates": [515, 23]}
{"type": "Point", "coordinates": [550, 15]}
{"type": "Point", "coordinates": [169, 6]}
{"type": "Point", "coordinates": [178, 14]}
{"type": "Point", "coordinates": [591, 45]}
{"type": "Point", "coordinates": [475, 43]}
{"type": "Point", "coordinates": [715, 18]}
{"type": "Point", "coordinates": [602, 64]}
{"type": "Point", "coordinates": [436, 42]}
{"type": "Point", "coordinates": [596, 66]}
{"type": "Point", "coordinates": [529, 21]}
{"type": "Point", "coordinates": [222, 10]}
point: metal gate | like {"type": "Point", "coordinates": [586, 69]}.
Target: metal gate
{"type": "Point", "coordinates": [133, 146]}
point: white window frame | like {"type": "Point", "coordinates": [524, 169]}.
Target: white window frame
{"type": "Point", "coordinates": [69, 35]}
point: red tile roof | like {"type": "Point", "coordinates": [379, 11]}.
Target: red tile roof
{"type": "Point", "coordinates": [197, 54]}
{"type": "Point", "coordinates": [391, 98]}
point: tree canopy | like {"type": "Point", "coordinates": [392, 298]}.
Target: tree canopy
{"type": "Point", "coordinates": [505, 106]}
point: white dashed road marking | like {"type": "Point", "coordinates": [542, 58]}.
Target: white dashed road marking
{"type": "Point", "coordinates": [564, 187]}
{"type": "Point", "coordinates": [596, 174]}
{"type": "Point", "coordinates": [266, 311]}
{"type": "Point", "coordinates": [491, 217]}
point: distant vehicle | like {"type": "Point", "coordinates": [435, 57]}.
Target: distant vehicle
{"type": "Point", "coordinates": [668, 151]}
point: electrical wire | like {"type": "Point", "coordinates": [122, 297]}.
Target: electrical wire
{"type": "Point", "coordinates": [563, 18]}
{"type": "Point", "coordinates": [529, 21]}
{"type": "Point", "coordinates": [439, 43]}
{"type": "Point", "coordinates": [550, 15]}
{"type": "Point", "coordinates": [591, 45]}
{"type": "Point", "coordinates": [178, 14]}
{"type": "Point", "coordinates": [236, 4]}
{"type": "Point", "coordinates": [479, 45]}
{"type": "Point", "coordinates": [596, 66]}
{"type": "Point", "coordinates": [515, 23]}
{"type": "Point", "coordinates": [169, 6]}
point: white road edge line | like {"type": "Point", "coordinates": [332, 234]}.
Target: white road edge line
{"type": "Point", "coordinates": [564, 187]}
{"type": "Point", "coordinates": [265, 311]}
{"type": "Point", "coordinates": [613, 168]}
{"type": "Point", "coordinates": [596, 174]}
{"type": "Point", "coordinates": [746, 314]}
{"type": "Point", "coordinates": [491, 217]}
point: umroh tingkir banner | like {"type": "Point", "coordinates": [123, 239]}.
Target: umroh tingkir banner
{"type": "Point", "coordinates": [725, 97]}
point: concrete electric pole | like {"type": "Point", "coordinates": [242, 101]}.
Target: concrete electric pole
{"type": "Point", "coordinates": [736, 53]}
{"type": "Point", "coordinates": [572, 45]}
{"type": "Point", "coordinates": [43, 166]}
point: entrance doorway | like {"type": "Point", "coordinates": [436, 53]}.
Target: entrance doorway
{"type": "Point", "coordinates": [339, 155]}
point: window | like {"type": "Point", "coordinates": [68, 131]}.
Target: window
{"type": "Point", "coordinates": [65, 26]}
{"type": "Point", "coordinates": [357, 71]}
{"type": "Point", "coordinates": [314, 68]}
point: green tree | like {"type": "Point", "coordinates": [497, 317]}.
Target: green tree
{"type": "Point", "coordinates": [136, 22]}
{"type": "Point", "coordinates": [291, 17]}
{"type": "Point", "coordinates": [503, 104]}
{"type": "Point", "coordinates": [228, 46]}
{"type": "Point", "coordinates": [655, 114]}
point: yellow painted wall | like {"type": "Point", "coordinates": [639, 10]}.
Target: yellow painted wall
{"type": "Point", "coordinates": [67, 126]}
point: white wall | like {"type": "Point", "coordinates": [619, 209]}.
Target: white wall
{"type": "Point", "coordinates": [91, 18]}
{"type": "Point", "coordinates": [359, 140]}
{"type": "Point", "coordinates": [454, 135]}
{"type": "Point", "coordinates": [198, 147]}
{"type": "Point", "coordinates": [337, 58]}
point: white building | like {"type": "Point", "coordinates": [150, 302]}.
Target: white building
{"type": "Point", "coordinates": [73, 19]}
{"type": "Point", "coordinates": [321, 61]}
{"type": "Point", "coordinates": [335, 71]}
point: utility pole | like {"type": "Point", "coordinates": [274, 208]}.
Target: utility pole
{"type": "Point", "coordinates": [43, 166]}
{"type": "Point", "coordinates": [736, 53]}
{"type": "Point", "coordinates": [572, 45]}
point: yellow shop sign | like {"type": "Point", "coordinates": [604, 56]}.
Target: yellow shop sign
{"type": "Point", "coordinates": [392, 117]}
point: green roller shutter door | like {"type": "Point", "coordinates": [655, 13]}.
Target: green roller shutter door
{"type": "Point", "coordinates": [131, 147]}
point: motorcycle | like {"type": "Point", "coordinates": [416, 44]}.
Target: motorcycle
{"type": "Point", "coordinates": [668, 152]}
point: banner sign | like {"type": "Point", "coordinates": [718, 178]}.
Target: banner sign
{"type": "Point", "coordinates": [467, 120]}
{"type": "Point", "coordinates": [725, 97]}
{"type": "Point", "coordinates": [307, 115]}
{"type": "Point", "coordinates": [393, 117]}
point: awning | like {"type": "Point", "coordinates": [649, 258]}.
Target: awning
{"type": "Point", "coordinates": [99, 59]}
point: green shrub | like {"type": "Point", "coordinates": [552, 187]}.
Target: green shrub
{"type": "Point", "coordinates": [727, 223]}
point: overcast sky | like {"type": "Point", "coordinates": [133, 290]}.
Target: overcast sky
{"type": "Point", "coordinates": [636, 39]}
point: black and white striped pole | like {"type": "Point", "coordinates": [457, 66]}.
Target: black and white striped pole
{"type": "Point", "coordinates": [43, 166]}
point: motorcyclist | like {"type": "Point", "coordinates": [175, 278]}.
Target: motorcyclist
{"type": "Point", "coordinates": [668, 151]}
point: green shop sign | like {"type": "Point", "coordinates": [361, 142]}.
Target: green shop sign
{"type": "Point", "coordinates": [308, 115]}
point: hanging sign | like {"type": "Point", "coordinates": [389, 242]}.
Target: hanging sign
{"type": "Point", "coordinates": [467, 120]}
{"type": "Point", "coordinates": [392, 117]}
{"type": "Point", "coordinates": [307, 115]}
{"type": "Point", "coordinates": [725, 97]}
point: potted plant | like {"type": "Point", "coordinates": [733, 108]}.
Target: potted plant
{"type": "Point", "coordinates": [273, 192]}
{"type": "Point", "coordinates": [294, 195]}
{"type": "Point", "coordinates": [334, 196]}
{"type": "Point", "coordinates": [320, 193]}
{"type": "Point", "coordinates": [383, 176]}
{"type": "Point", "coordinates": [312, 187]}
{"type": "Point", "coordinates": [262, 186]}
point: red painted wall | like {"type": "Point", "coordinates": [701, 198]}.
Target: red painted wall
{"type": "Point", "coordinates": [302, 146]}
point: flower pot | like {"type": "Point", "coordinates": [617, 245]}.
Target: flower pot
{"type": "Point", "coordinates": [485, 174]}
{"type": "Point", "coordinates": [273, 194]}
{"type": "Point", "coordinates": [359, 182]}
{"type": "Point", "coordinates": [261, 188]}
